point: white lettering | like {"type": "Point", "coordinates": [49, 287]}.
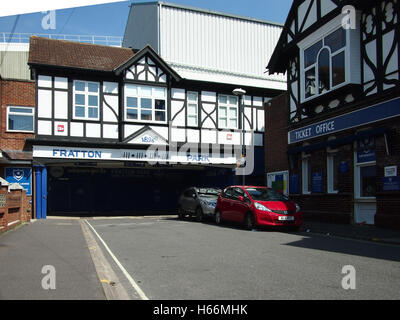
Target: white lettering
{"type": "Point", "coordinates": [49, 281]}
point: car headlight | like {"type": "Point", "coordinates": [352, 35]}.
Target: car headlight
{"type": "Point", "coordinates": [261, 207]}
{"type": "Point", "coordinates": [297, 208]}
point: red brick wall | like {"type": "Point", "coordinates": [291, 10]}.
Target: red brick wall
{"type": "Point", "coordinates": [276, 134]}
{"type": "Point", "coordinates": [15, 93]}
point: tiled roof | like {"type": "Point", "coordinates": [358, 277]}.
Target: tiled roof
{"type": "Point", "coordinates": [61, 53]}
{"type": "Point", "coordinates": [17, 154]}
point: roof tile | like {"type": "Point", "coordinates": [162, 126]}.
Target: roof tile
{"type": "Point", "coordinates": [44, 51]}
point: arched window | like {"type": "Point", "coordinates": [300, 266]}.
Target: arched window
{"type": "Point", "coordinates": [324, 71]}
{"type": "Point", "coordinates": [324, 64]}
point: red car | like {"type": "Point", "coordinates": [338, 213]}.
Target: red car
{"type": "Point", "coordinates": [257, 207]}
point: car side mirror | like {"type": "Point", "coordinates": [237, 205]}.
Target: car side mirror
{"type": "Point", "coordinates": [194, 196]}
{"type": "Point", "coordinates": [241, 198]}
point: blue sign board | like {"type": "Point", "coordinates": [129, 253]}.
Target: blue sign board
{"type": "Point", "coordinates": [391, 184]}
{"type": "Point", "coordinates": [294, 184]}
{"type": "Point", "coordinates": [317, 182]}
{"type": "Point", "coordinates": [344, 167]}
{"type": "Point", "coordinates": [357, 118]}
{"type": "Point", "coordinates": [22, 176]}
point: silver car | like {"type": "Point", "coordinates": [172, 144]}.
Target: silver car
{"type": "Point", "coordinates": [198, 202]}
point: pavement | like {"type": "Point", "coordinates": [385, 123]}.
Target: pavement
{"type": "Point", "coordinates": [47, 260]}
{"type": "Point", "coordinates": [60, 243]}
{"type": "Point", "coordinates": [355, 231]}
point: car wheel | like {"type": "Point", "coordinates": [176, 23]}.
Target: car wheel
{"type": "Point", "coordinates": [218, 217]}
{"type": "Point", "coordinates": [181, 213]}
{"type": "Point", "coordinates": [199, 214]}
{"type": "Point", "coordinates": [249, 222]}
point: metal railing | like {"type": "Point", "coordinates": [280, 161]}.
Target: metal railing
{"type": "Point", "coordinates": [7, 37]}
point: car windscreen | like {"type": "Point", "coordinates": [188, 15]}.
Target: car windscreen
{"type": "Point", "coordinates": [209, 191]}
{"type": "Point", "coordinates": [263, 194]}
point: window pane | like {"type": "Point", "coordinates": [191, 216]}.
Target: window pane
{"type": "Point", "coordinates": [80, 99]}
{"type": "Point", "coordinates": [324, 72]}
{"type": "Point", "coordinates": [19, 122]}
{"type": "Point", "coordinates": [145, 91]}
{"type": "Point", "coordinates": [145, 103]}
{"type": "Point", "coordinates": [223, 112]}
{"type": "Point", "coordinates": [192, 121]}
{"type": "Point", "coordinates": [160, 115]}
{"type": "Point", "coordinates": [192, 97]}
{"type": "Point", "coordinates": [146, 115]}
{"type": "Point", "coordinates": [79, 86]}
{"type": "Point", "coordinates": [311, 54]}
{"type": "Point", "coordinates": [22, 110]}
{"type": "Point", "coordinates": [310, 88]}
{"type": "Point", "coordinates": [160, 104]}
{"type": "Point", "coordinates": [79, 111]}
{"type": "Point", "coordinates": [233, 100]}
{"type": "Point", "coordinates": [132, 114]}
{"type": "Point", "coordinates": [93, 113]}
{"type": "Point", "coordinates": [223, 123]}
{"type": "Point", "coordinates": [233, 123]}
{"type": "Point", "coordinates": [338, 69]}
{"type": "Point", "coordinates": [336, 172]}
{"type": "Point", "coordinates": [159, 92]}
{"type": "Point", "coordinates": [368, 181]}
{"type": "Point", "coordinates": [232, 112]}
{"type": "Point", "coordinates": [131, 90]}
{"type": "Point", "coordinates": [93, 87]}
{"type": "Point", "coordinates": [223, 99]}
{"type": "Point", "coordinates": [336, 40]}
{"type": "Point", "coordinates": [131, 102]}
{"type": "Point", "coordinates": [192, 109]}
{"type": "Point", "coordinates": [93, 101]}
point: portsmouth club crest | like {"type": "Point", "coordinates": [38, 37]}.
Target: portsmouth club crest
{"type": "Point", "coordinates": [18, 174]}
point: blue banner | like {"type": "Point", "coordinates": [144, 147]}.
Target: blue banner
{"type": "Point", "coordinates": [350, 120]}
{"type": "Point", "coordinates": [391, 184]}
{"type": "Point", "coordinates": [317, 182]}
{"type": "Point", "coordinates": [22, 176]}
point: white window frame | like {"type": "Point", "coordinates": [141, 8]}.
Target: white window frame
{"type": "Point", "coordinates": [32, 113]}
{"type": "Point", "coordinates": [228, 107]}
{"type": "Point", "coordinates": [330, 165]}
{"type": "Point", "coordinates": [86, 93]}
{"type": "Point", "coordinates": [317, 36]}
{"type": "Point", "coordinates": [139, 95]}
{"type": "Point", "coordinates": [192, 103]}
{"type": "Point", "coordinates": [305, 174]}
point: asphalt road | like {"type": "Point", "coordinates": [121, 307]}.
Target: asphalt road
{"type": "Point", "coordinates": [174, 260]}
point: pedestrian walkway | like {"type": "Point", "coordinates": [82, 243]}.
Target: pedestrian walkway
{"type": "Point", "coordinates": [360, 232]}
{"type": "Point", "coordinates": [30, 254]}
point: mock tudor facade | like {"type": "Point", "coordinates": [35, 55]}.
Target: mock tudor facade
{"type": "Point", "coordinates": [118, 130]}
{"type": "Point", "coordinates": [342, 109]}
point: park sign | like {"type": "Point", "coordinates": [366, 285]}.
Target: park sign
{"type": "Point", "coordinates": [346, 121]}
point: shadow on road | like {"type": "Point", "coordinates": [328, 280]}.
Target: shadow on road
{"type": "Point", "coordinates": [321, 242]}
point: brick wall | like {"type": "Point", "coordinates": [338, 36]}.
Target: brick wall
{"type": "Point", "coordinates": [15, 93]}
{"type": "Point", "coordinates": [13, 208]}
{"type": "Point", "coordinates": [276, 141]}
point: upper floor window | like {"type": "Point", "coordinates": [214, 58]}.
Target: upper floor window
{"type": "Point", "coordinates": [20, 119]}
{"type": "Point", "coordinates": [86, 100]}
{"type": "Point", "coordinates": [330, 59]}
{"type": "Point", "coordinates": [192, 109]}
{"type": "Point", "coordinates": [228, 112]}
{"type": "Point", "coordinates": [145, 104]}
